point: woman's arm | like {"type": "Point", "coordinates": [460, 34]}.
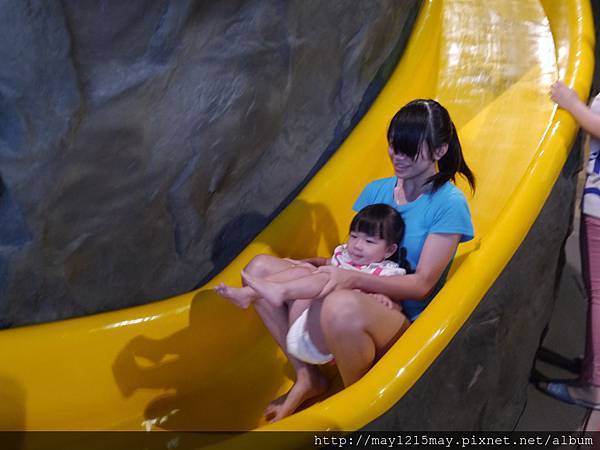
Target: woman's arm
{"type": "Point", "coordinates": [438, 251]}
{"type": "Point", "coordinates": [568, 99]}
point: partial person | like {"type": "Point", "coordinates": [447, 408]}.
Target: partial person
{"type": "Point", "coordinates": [585, 390]}
{"type": "Point", "coordinates": [345, 322]}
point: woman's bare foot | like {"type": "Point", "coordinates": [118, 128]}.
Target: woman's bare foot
{"type": "Point", "coordinates": [310, 383]}
{"type": "Point", "coordinates": [272, 292]}
{"type": "Point", "coordinates": [242, 297]}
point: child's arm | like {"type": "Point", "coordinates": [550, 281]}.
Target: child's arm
{"type": "Point", "coordinates": [569, 100]}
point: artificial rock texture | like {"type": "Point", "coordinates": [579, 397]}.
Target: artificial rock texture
{"type": "Point", "coordinates": [144, 143]}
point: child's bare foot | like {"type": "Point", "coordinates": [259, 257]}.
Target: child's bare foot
{"type": "Point", "coordinates": [241, 297]}
{"type": "Point", "coordinates": [270, 291]}
{"type": "Point", "coordinates": [310, 383]}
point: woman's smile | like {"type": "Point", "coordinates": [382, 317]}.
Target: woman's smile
{"type": "Point", "coordinates": [401, 166]}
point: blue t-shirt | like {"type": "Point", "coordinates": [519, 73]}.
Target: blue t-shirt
{"type": "Point", "coordinates": [444, 211]}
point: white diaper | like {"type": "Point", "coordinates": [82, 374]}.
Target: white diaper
{"type": "Point", "coordinates": [301, 346]}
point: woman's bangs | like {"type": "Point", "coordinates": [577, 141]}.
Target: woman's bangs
{"type": "Point", "coordinates": [406, 137]}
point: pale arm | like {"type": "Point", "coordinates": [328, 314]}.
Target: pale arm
{"type": "Point", "coordinates": [569, 100]}
{"type": "Point", "coordinates": [437, 253]}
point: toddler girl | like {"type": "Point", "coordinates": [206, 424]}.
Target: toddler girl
{"type": "Point", "coordinates": [374, 236]}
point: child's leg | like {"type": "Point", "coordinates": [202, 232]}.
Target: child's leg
{"type": "Point", "coordinates": [297, 308]}
{"type": "Point", "coordinates": [278, 288]}
{"type": "Point", "coordinates": [244, 296]}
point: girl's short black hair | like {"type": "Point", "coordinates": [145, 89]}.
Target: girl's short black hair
{"type": "Point", "coordinates": [384, 222]}
{"type": "Point", "coordinates": [426, 121]}
{"type": "Point", "coordinates": [381, 221]}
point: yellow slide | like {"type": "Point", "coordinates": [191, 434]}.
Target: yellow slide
{"type": "Point", "coordinates": [195, 362]}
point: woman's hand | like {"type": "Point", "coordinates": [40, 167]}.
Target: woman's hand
{"type": "Point", "coordinates": [563, 96]}
{"type": "Point", "coordinates": [338, 279]}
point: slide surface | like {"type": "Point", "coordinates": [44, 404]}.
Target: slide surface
{"type": "Point", "coordinates": [195, 362]}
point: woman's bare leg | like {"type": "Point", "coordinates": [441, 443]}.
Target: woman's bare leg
{"type": "Point", "coordinates": [356, 329]}
{"type": "Point", "coordinates": [309, 380]}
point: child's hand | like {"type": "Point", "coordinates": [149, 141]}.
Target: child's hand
{"type": "Point", "coordinates": [563, 96]}
{"type": "Point", "coordinates": [385, 301]}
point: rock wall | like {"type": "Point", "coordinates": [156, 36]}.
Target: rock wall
{"type": "Point", "coordinates": [144, 143]}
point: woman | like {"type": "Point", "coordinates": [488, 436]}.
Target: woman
{"type": "Point", "coordinates": [426, 155]}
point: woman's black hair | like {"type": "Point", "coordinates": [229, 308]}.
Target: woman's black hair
{"type": "Point", "coordinates": [384, 222]}
{"type": "Point", "coordinates": [426, 121]}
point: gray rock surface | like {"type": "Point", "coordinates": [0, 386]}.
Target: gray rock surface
{"type": "Point", "coordinates": [144, 143]}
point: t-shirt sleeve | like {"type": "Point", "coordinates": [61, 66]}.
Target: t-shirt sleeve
{"type": "Point", "coordinates": [452, 216]}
